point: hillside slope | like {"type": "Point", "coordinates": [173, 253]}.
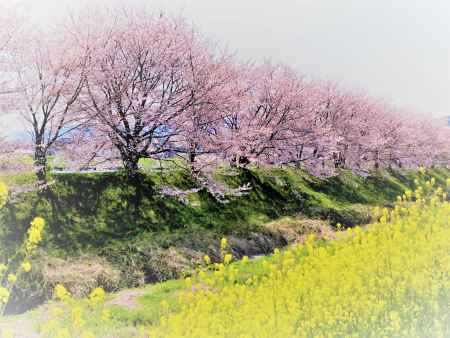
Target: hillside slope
{"type": "Point", "coordinates": [387, 279]}
{"type": "Point", "coordinates": [104, 230]}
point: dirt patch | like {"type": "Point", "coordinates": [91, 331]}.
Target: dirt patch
{"type": "Point", "coordinates": [127, 299]}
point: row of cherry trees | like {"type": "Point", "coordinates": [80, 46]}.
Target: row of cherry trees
{"type": "Point", "coordinates": [128, 85]}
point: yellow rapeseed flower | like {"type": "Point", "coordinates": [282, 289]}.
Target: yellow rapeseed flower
{"type": "Point", "coordinates": [97, 295]}
{"type": "Point", "coordinates": [38, 222]}
{"type": "Point", "coordinates": [26, 266]}
{"type": "Point", "coordinates": [385, 280]}
{"type": "Point", "coordinates": [4, 295]}
{"type": "Point", "coordinates": [12, 278]}
{"type": "Point", "coordinates": [35, 233]}
{"type": "Point", "coordinates": [3, 194]}
{"type": "Point", "coordinates": [227, 258]}
{"type": "Point", "coordinates": [223, 243]}
{"type": "Point", "coordinates": [61, 293]}
{"type": "Point", "coordinates": [207, 259]}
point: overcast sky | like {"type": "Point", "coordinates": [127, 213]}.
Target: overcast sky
{"type": "Point", "coordinates": [395, 49]}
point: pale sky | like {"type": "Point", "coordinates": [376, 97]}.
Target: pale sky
{"type": "Point", "coordinates": [395, 49]}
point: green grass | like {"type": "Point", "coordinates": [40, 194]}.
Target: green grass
{"type": "Point", "coordinates": [148, 310]}
{"type": "Point", "coordinates": [17, 179]}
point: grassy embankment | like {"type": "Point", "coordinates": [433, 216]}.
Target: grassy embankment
{"type": "Point", "coordinates": [104, 231]}
{"type": "Point", "coordinates": [395, 284]}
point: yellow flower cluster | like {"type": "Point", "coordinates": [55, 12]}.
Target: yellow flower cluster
{"type": "Point", "coordinates": [26, 266]}
{"type": "Point", "coordinates": [97, 295]}
{"type": "Point", "coordinates": [389, 280]}
{"type": "Point", "coordinates": [223, 244]}
{"type": "Point", "coordinates": [4, 295]}
{"type": "Point", "coordinates": [207, 259]}
{"type": "Point", "coordinates": [10, 274]}
{"type": "Point", "coordinates": [12, 278]}
{"type": "Point", "coordinates": [3, 194]}
{"type": "Point", "coordinates": [35, 233]}
{"type": "Point", "coordinates": [61, 292]}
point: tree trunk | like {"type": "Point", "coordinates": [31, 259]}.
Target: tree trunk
{"type": "Point", "coordinates": [191, 157]}
{"type": "Point", "coordinates": [298, 163]}
{"type": "Point", "coordinates": [377, 163]}
{"type": "Point", "coordinates": [243, 161]}
{"type": "Point", "coordinates": [131, 165]}
{"type": "Point", "coordinates": [40, 163]}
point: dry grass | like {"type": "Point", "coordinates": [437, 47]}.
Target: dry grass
{"type": "Point", "coordinates": [80, 275]}
{"type": "Point", "coordinates": [296, 228]}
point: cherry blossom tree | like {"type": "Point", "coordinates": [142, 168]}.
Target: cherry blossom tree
{"type": "Point", "coordinates": [267, 116]}
{"type": "Point", "coordinates": [211, 77]}
{"type": "Point", "coordinates": [310, 140]}
{"type": "Point", "coordinates": [133, 86]}
{"type": "Point", "coordinates": [48, 78]}
{"type": "Point", "coordinates": [149, 82]}
{"type": "Point", "coordinates": [124, 84]}
{"type": "Point", "coordinates": [11, 24]}
{"type": "Point", "coordinates": [427, 144]}
{"type": "Point", "coordinates": [10, 27]}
